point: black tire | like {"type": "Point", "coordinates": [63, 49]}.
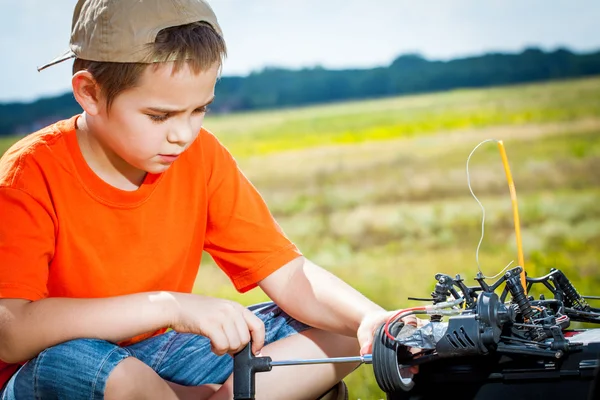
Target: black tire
{"type": "Point", "coordinates": [387, 356]}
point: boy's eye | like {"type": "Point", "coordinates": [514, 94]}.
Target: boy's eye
{"type": "Point", "coordinates": [158, 118]}
{"type": "Point", "coordinates": [164, 117]}
{"type": "Point", "coordinates": [201, 110]}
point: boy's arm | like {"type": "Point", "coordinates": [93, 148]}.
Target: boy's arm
{"type": "Point", "coordinates": [27, 328]}
{"type": "Point", "coordinates": [320, 299]}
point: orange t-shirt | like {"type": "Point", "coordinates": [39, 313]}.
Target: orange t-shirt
{"type": "Point", "coordinates": [64, 232]}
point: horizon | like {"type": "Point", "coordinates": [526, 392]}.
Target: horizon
{"type": "Point", "coordinates": [429, 59]}
{"type": "Point", "coordinates": [279, 37]}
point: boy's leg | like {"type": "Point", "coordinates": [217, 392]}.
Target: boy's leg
{"type": "Point", "coordinates": [78, 369]}
{"type": "Point", "coordinates": [132, 379]}
{"type": "Point", "coordinates": [93, 369]}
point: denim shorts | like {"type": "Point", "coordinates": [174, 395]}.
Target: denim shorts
{"type": "Point", "coordinates": [79, 369]}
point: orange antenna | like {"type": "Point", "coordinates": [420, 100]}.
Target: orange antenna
{"type": "Point", "coordinates": [515, 207]}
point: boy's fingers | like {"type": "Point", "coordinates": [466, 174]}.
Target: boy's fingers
{"type": "Point", "coordinates": [366, 348]}
{"type": "Point", "coordinates": [257, 330]}
{"type": "Point", "coordinates": [218, 341]}
{"type": "Point", "coordinates": [243, 333]}
{"type": "Point", "coordinates": [232, 335]}
{"type": "Point", "coordinates": [410, 320]}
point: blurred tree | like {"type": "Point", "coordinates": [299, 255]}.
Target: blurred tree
{"type": "Point", "coordinates": [409, 73]}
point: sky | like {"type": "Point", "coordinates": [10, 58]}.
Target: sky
{"type": "Point", "coordinates": [330, 33]}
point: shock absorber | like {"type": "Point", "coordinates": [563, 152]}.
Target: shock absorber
{"type": "Point", "coordinates": [572, 298]}
{"type": "Point", "coordinates": [513, 283]}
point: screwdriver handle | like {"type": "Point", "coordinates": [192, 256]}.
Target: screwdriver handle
{"type": "Point", "coordinates": [245, 366]}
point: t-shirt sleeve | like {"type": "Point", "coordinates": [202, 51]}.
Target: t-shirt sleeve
{"type": "Point", "coordinates": [27, 238]}
{"type": "Point", "coordinates": [242, 236]}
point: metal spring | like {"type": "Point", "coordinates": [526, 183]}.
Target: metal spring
{"type": "Point", "coordinates": [572, 297]}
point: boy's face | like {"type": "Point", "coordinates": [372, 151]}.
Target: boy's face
{"type": "Point", "coordinates": [149, 125]}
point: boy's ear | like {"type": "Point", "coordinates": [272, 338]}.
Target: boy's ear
{"type": "Point", "coordinates": [87, 92]}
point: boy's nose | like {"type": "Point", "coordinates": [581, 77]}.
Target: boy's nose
{"type": "Point", "coordinates": [181, 134]}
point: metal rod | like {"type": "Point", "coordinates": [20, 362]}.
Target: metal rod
{"type": "Point", "coordinates": [420, 299]}
{"type": "Point", "coordinates": [591, 297]}
{"type": "Point", "coordinates": [592, 314]}
{"type": "Point", "coordinates": [527, 325]}
{"type": "Point", "coordinates": [515, 339]}
{"type": "Point", "coordinates": [366, 359]}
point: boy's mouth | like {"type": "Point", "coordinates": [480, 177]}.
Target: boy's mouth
{"type": "Point", "coordinates": [168, 158]}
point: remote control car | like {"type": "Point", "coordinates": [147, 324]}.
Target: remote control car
{"type": "Point", "coordinates": [490, 348]}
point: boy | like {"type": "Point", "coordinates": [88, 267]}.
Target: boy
{"type": "Point", "coordinates": [104, 219]}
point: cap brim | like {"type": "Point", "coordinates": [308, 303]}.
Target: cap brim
{"type": "Point", "coordinates": [63, 57]}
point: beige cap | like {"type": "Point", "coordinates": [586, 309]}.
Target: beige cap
{"type": "Point", "coordinates": [121, 30]}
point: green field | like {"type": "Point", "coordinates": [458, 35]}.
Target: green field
{"type": "Point", "coordinates": [376, 190]}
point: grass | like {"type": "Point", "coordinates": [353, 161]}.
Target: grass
{"type": "Point", "coordinates": [6, 142]}
{"type": "Point", "coordinates": [376, 191]}
{"type": "Point", "coordinates": [269, 132]}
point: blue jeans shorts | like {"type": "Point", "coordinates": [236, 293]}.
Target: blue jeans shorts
{"type": "Point", "coordinates": [79, 369]}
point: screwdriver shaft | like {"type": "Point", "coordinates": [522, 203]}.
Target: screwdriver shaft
{"type": "Point", "coordinates": [366, 359]}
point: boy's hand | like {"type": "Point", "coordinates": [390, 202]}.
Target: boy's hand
{"type": "Point", "coordinates": [369, 324]}
{"type": "Point", "coordinates": [227, 324]}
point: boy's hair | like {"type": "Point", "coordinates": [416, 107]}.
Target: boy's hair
{"type": "Point", "coordinates": [196, 44]}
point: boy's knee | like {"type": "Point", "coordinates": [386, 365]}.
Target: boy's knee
{"type": "Point", "coordinates": [132, 379]}
{"type": "Point", "coordinates": [73, 369]}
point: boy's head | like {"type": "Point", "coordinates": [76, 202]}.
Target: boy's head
{"type": "Point", "coordinates": [144, 72]}
{"type": "Point", "coordinates": [116, 40]}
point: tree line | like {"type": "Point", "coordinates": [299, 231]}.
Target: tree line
{"type": "Point", "coordinates": [407, 74]}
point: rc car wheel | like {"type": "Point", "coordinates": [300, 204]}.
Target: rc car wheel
{"type": "Point", "coordinates": [387, 358]}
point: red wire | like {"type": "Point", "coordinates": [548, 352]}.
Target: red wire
{"type": "Point", "coordinates": [386, 327]}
